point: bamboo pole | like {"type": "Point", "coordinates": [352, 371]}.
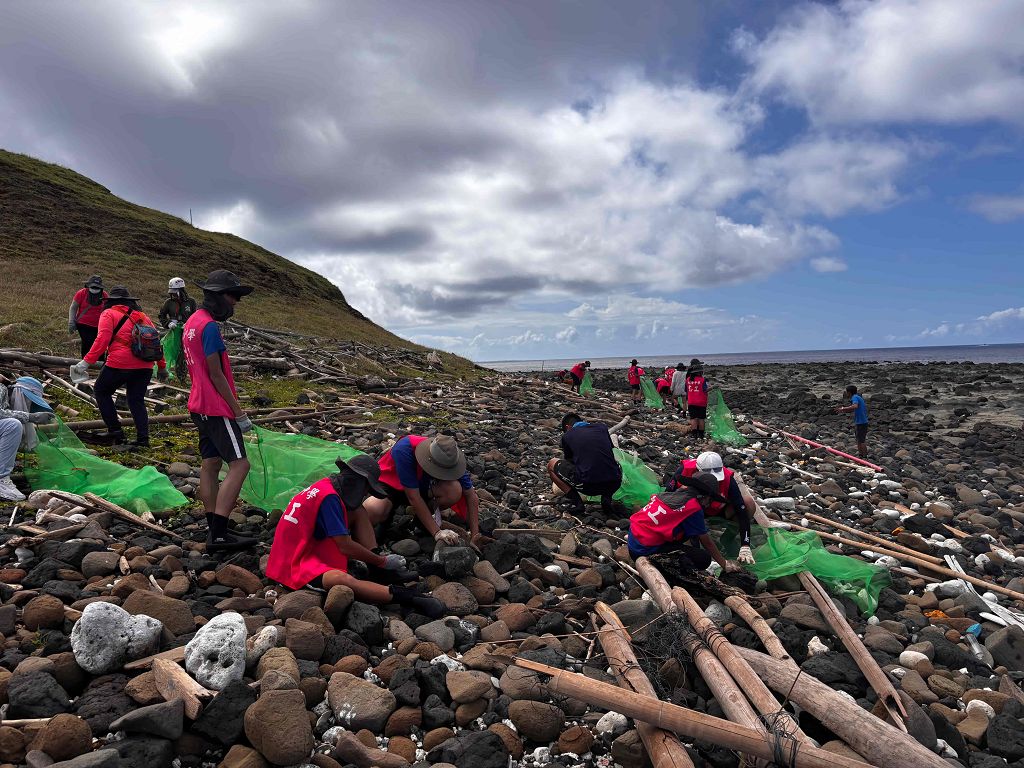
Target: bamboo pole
{"type": "Point", "coordinates": [871, 537]}
{"type": "Point", "coordinates": [813, 444]}
{"type": "Point", "coordinates": [664, 748]}
{"type": "Point", "coordinates": [751, 685]}
{"type": "Point", "coordinates": [868, 735]}
{"type": "Point", "coordinates": [760, 627]}
{"type": "Point", "coordinates": [685, 722]}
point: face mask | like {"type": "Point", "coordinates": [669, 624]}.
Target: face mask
{"type": "Point", "coordinates": [95, 296]}
{"type": "Point", "coordinates": [351, 487]}
{"type": "Point", "coordinates": [217, 306]}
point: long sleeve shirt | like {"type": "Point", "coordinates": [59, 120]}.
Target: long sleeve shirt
{"type": "Point", "coordinates": [119, 348]}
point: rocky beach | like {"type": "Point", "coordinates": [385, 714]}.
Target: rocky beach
{"type": "Point", "coordinates": [125, 644]}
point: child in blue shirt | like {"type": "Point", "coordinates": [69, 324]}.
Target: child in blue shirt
{"type": "Point", "coordinates": [859, 409]}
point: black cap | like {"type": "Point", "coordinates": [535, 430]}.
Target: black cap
{"type": "Point", "coordinates": [224, 281]}
{"type": "Point", "coordinates": [119, 295]}
{"type": "Point", "coordinates": [705, 484]}
{"type": "Point", "coordinates": [633, 361]}
{"type": "Point", "coordinates": [94, 281]}
{"type": "Point", "coordinates": [368, 469]}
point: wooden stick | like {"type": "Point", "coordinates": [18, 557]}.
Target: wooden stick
{"type": "Point", "coordinates": [173, 682]}
{"type": "Point", "coordinates": [873, 538]}
{"type": "Point", "coordinates": [878, 742]}
{"type": "Point", "coordinates": [685, 722]}
{"type": "Point", "coordinates": [177, 655]}
{"type": "Point", "coordinates": [749, 683]}
{"type": "Point", "coordinates": [124, 514]}
{"type": "Point", "coordinates": [760, 627]}
{"type": "Point", "coordinates": [663, 747]}
{"type": "Point", "coordinates": [819, 445]}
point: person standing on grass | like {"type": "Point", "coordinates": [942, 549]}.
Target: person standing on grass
{"type": "Point", "coordinates": [85, 310]}
{"type": "Point", "coordinates": [124, 367]}
{"type": "Point", "coordinates": [696, 397]}
{"type": "Point", "coordinates": [214, 407]}
{"type": "Point", "coordinates": [859, 409]}
{"type": "Point", "coordinates": [633, 377]}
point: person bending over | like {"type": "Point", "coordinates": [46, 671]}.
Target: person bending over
{"type": "Point", "coordinates": [576, 374]}
{"type": "Point", "coordinates": [326, 525]}
{"type": "Point", "coordinates": [588, 465]}
{"type": "Point", "coordinates": [674, 522]}
{"type": "Point", "coordinates": [736, 505]}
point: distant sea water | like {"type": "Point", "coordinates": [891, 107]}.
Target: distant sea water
{"type": "Point", "coordinates": [975, 353]}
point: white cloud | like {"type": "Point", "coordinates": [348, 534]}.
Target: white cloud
{"type": "Point", "coordinates": [1003, 315]}
{"type": "Point", "coordinates": [976, 327]}
{"type": "Point", "coordinates": [998, 208]}
{"type": "Point", "coordinates": [567, 335]}
{"type": "Point", "coordinates": [828, 264]}
{"type": "Point", "coordinates": [895, 60]}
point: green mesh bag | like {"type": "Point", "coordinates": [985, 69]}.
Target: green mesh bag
{"type": "Point", "coordinates": [719, 423]}
{"type": "Point", "coordinates": [651, 397]}
{"type": "Point", "coordinates": [282, 464]}
{"type": "Point", "coordinates": [639, 482]}
{"type": "Point", "coordinates": [587, 385]}
{"type": "Point", "coordinates": [787, 552]}
{"type": "Point", "coordinates": [63, 463]}
{"type": "Point", "coordinates": [171, 343]}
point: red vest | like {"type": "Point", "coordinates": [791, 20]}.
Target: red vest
{"type": "Point", "coordinates": [695, 394]}
{"type": "Point", "coordinates": [578, 370]}
{"type": "Point", "coordinates": [662, 384]}
{"type": "Point", "coordinates": [690, 469]}
{"type": "Point", "coordinates": [633, 376]}
{"type": "Point", "coordinates": [656, 523]}
{"type": "Point", "coordinates": [388, 471]}
{"type": "Point", "coordinates": [296, 558]}
{"type": "Point", "coordinates": [203, 398]}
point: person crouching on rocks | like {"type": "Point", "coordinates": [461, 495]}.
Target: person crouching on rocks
{"type": "Point", "coordinates": [326, 525]}
{"type": "Point", "coordinates": [429, 475]}
{"type": "Point", "coordinates": [738, 506]}
{"type": "Point", "coordinates": [674, 522]}
{"type": "Point", "coordinates": [588, 465]}
{"type": "Point", "coordinates": [21, 408]}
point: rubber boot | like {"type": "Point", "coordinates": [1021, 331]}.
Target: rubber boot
{"type": "Point", "coordinates": [219, 539]}
{"type": "Point", "coordinates": [429, 606]}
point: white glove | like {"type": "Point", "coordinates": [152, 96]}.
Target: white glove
{"type": "Point", "coordinates": [81, 368]}
{"type": "Point", "coordinates": [446, 537]}
{"type": "Point", "coordinates": [393, 562]}
{"type": "Point", "coordinates": [746, 557]}
{"type": "Point", "coordinates": [40, 417]}
{"type": "Point", "coordinates": [244, 423]}
{"type": "Point", "coordinates": [172, 324]}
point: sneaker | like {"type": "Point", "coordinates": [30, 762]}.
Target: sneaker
{"type": "Point", "coordinates": [228, 542]}
{"type": "Point", "coordinates": [9, 491]}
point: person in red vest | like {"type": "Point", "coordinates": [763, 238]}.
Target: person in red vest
{"type": "Point", "coordinates": [633, 378]}
{"type": "Point", "coordinates": [214, 407]}
{"type": "Point", "coordinates": [85, 310]}
{"type": "Point", "coordinates": [736, 505]}
{"type": "Point", "coordinates": [664, 383]}
{"type": "Point", "coordinates": [674, 522]}
{"type": "Point", "coordinates": [326, 525]}
{"type": "Point", "coordinates": [576, 374]}
{"type": "Point", "coordinates": [429, 475]}
{"type": "Point", "coordinates": [696, 397]}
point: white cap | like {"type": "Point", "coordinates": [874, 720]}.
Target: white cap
{"type": "Point", "coordinates": [709, 461]}
{"type": "Point", "coordinates": [175, 283]}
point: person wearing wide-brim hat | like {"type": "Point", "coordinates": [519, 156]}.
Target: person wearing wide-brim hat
{"type": "Point", "coordinates": [122, 367]}
{"type": "Point", "coordinates": [215, 409]}
{"type": "Point", "coordinates": [326, 525]}
{"type": "Point", "coordinates": [674, 522]}
{"type": "Point", "coordinates": [429, 475]}
{"type": "Point", "coordinates": [85, 310]}
{"type": "Point", "coordinates": [633, 375]}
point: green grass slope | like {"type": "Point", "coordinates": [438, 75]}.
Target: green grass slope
{"type": "Point", "coordinates": [57, 227]}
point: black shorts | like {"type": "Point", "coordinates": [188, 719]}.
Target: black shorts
{"type": "Point", "coordinates": [219, 438]}
{"type": "Point", "coordinates": [861, 431]}
{"type": "Point", "coordinates": [635, 387]}
{"type": "Point", "coordinates": [567, 473]}
{"type": "Point", "coordinates": [697, 411]}
{"type": "Point", "coordinates": [576, 380]}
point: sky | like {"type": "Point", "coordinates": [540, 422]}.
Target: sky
{"type": "Point", "coordinates": [546, 179]}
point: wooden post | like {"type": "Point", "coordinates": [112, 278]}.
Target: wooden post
{"type": "Point", "coordinates": [868, 735]}
{"type": "Point", "coordinates": [664, 748]}
{"type": "Point", "coordinates": [685, 722]}
{"type": "Point", "coordinates": [760, 627]}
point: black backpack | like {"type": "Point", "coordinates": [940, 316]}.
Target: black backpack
{"type": "Point", "coordinates": [145, 343]}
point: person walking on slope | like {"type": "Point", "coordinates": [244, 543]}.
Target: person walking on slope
{"type": "Point", "coordinates": [859, 409]}
{"type": "Point", "coordinates": [696, 397]}
{"type": "Point", "coordinates": [633, 378]}
{"type": "Point", "coordinates": [576, 373]}
{"type": "Point", "coordinates": [178, 308]}
{"type": "Point", "coordinates": [131, 344]}
{"type": "Point", "coordinates": [85, 310]}
{"type": "Point", "coordinates": [21, 408]}
{"type": "Point", "coordinates": [589, 466]}
{"type": "Point", "coordinates": [326, 525]}
{"type": "Point", "coordinates": [214, 407]}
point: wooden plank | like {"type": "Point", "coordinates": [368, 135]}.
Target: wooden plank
{"type": "Point", "coordinates": [173, 682]}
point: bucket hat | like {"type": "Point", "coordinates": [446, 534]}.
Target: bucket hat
{"type": "Point", "coordinates": [441, 458]}
{"type": "Point", "coordinates": [705, 484]}
{"type": "Point", "coordinates": [224, 281]}
{"type": "Point", "coordinates": [368, 469]}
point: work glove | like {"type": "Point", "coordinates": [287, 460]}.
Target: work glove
{"type": "Point", "coordinates": [40, 417]}
{"type": "Point", "coordinates": [72, 326]}
{"type": "Point", "coordinates": [81, 368]}
{"type": "Point", "coordinates": [745, 557]}
{"type": "Point", "coordinates": [172, 324]}
{"type": "Point", "coordinates": [393, 562]}
{"type": "Point", "coordinates": [244, 423]}
{"type": "Point", "coordinates": [446, 537]}
{"type": "Point", "coordinates": [161, 374]}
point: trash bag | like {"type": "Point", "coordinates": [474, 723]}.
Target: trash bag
{"type": "Point", "coordinates": [651, 397]}
{"type": "Point", "coordinates": [788, 552]}
{"type": "Point", "coordinates": [719, 424]}
{"type": "Point", "coordinates": [171, 343]}
{"type": "Point", "coordinates": [282, 464]}
{"type": "Point", "coordinates": [587, 385]}
{"type": "Point", "coordinates": [639, 482]}
{"type": "Point", "coordinates": [63, 463]}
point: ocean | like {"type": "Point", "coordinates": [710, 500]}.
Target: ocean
{"type": "Point", "coordinates": [976, 353]}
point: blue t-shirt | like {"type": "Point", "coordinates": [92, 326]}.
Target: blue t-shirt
{"type": "Point", "coordinates": [330, 519]}
{"type": "Point", "coordinates": [213, 342]}
{"type": "Point", "coordinates": [860, 416]}
{"type": "Point", "coordinates": [406, 466]}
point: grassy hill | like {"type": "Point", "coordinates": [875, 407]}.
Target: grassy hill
{"type": "Point", "coordinates": [57, 227]}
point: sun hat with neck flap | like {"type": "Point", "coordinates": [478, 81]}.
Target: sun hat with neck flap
{"type": "Point", "coordinates": [441, 458]}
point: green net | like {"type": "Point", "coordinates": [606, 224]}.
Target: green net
{"type": "Point", "coordinates": [283, 464]}
{"type": "Point", "coordinates": [639, 482]}
{"type": "Point", "coordinates": [171, 343]}
{"type": "Point", "coordinates": [651, 397]}
{"type": "Point", "coordinates": [720, 425]}
{"type": "Point", "coordinates": [63, 463]}
{"type": "Point", "coordinates": [587, 385]}
{"type": "Point", "coordinates": [787, 552]}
